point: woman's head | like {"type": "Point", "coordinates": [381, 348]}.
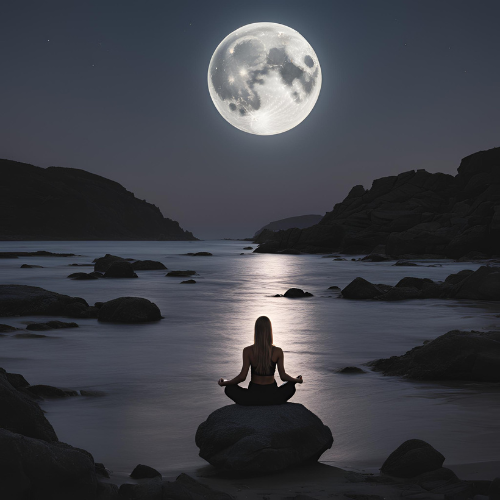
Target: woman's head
{"type": "Point", "coordinates": [263, 341]}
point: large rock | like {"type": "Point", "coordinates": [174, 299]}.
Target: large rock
{"type": "Point", "coordinates": [20, 413]}
{"type": "Point", "coordinates": [412, 458]}
{"type": "Point", "coordinates": [129, 310]}
{"type": "Point", "coordinates": [34, 469]}
{"type": "Point", "coordinates": [22, 300]}
{"type": "Point", "coordinates": [456, 355]}
{"type": "Point", "coordinates": [415, 212]}
{"type": "Point", "coordinates": [120, 269]}
{"type": "Point", "coordinates": [296, 293]}
{"type": "Point", "coordinates": [262, 438]}
{"type": "Point", "coordinates": [102, 264]}
{"type": "Point", "coordinates": [483, 284]}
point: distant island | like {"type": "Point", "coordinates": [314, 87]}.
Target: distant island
{"type": "Point", "coordinates": [415, 212]}
{"type": "Point", "coordinates": [301, 222]}
{"type": "Point", "coordinates": [57, 203]}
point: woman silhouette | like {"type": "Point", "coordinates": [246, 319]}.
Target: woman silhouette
{"type": "Point", "coordinates": [262, 357]}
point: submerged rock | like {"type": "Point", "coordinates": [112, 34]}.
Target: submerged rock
{"type": "Point", "coordinates": [121, 269]}
{"type": "Point", "coordinates": [30, 266]}
{"type": "Point", "coordinates": [200, 254]}
{"type": "Point", "coordinates": [412, 458]}
{"type": "Point", "coordinates": [180, 274]}
{"type": "Point", "coordinates": [351, 370]}
{"type": "Point", "coordinates": [129, 310]}
{"type": "Point", "coordinates": [84, 276]}
{"type": "Point", "coordinates": [456, 355]}
{"type": "Point", "coordinates": [50, 325]}
{"type": "Point", "coordinates": [262, 438]}
{"type": "Point", "coordinates": [297, 293]}
{"type": "Point", "coordinates": [188, 282]}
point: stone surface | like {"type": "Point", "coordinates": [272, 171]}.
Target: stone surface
{"type": "Point", "coordinates": [35, 469]}
{"type": "Point", "coordinates": [483, 284]}
{"type": "Point", "coordinates": [262, 438]}
{"type": "Point", "coordinates": [188, 282]}
{"type": "Point", "coordinates": [180, 274]}
{"type": "Point", "coordinates": [200, 254]}
{"type": "Point", "coordinates": [456, 355]}
{"type": "Point", "coordinates": [20, 414]}
{"type": "Point", "coordinates": [150, 489]}
{"type": "Point", "coordinates": [120, 269]}
{"type": "Point", "coordinates": [296, 293]}
{"type": "Point", "coordinates": [129, 310]}
{"type": "Point", "coordinates": [415, 212]}
{"type": "Point", "coordinates": [50, 325]}
{"type": "Point", "coordinates": [22, 300]}
{"type": "Point", "coordinates": [412, 458]}
{"type": "Point", "coordinates": [360, 288]}
{"type": "Point", "coordinates": [30, 266]}
{"type": "Point", "coordinates": [72, 204]}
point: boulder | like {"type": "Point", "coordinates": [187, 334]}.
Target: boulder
{"type": "Point", "coordinates": [144, 472]}
{"type": "Point", "coordinates": [296, 293]}
{"type": "Point", "coordinates": [262, 438]}
{"type": "Point", "coordinates": [405, 263]}
{"type": "Point", "coordinates": [22, 300]}
{"type": "Point", "coordinates": [483, 284]}
{"type": "Point", "coordinates": [188, 282]}
{"type": "Point", "coordinates": [187, 488]}
{"type": "Point", "coordinates": [454, 279]}
{"type": "Point", "coordinates": [412, 458]}
{"type": "Point", "coordinates": [30, 266]}
{"type": "Point", "coordinates": [21, 414]}
{"type": "Point", "coordinates": [83, 276]}
{"type": "Point", "coordinates": [120, 269]}
{"type": "Point", "coordinates": [150, 489]}
{"type": "Point", "coordinates": [35, 469]}
{"type": "Point", "coordinates": [456, 355]}
{"type": "Point", "coordinates": [374, 257]}
{"type": "Point", "coordinates": [417, 283]}
{"type": "Point", "coordinates": [148, 265]}
{"type": "Point", "coordinates": [129, 310]}
{"type": "Point", "coordinates": [7, 328]}
{"type": "Point", "coordinates": [351, 370]}
{"type": "Point", "coordinates": [50, 325]}
{"type": "Point", "coordinates": [180, 274]}
{"type": "Point", "coordinates": [102, 264]}
{"type": "Point", "coordinates": [360, 288]}
{"type": "Point", "coordinates": [200, 254]}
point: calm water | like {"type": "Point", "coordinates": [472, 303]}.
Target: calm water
{"type": "Point", "coordinates": [160, 379]}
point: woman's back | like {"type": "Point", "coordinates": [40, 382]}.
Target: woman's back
{"type": "Point", "coordinates": [266, 376]}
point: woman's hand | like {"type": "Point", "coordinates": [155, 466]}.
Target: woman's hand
{"type": "Point", "coordinates": [221, 382]}
{"type": "Point", "coordinates": [299, 380]}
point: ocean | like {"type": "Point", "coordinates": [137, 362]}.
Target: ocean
{"type": "Point", "coordinates": [160, 379]}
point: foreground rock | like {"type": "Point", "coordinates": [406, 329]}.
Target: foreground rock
{"type": "Point", "coordinates": [412, 458]}
{"type": "Point", "coordinates": [22, 300]}
{"type": "Point", "coordinates": [483, 284]}
{"type": "Point", "coordinates": [20, 414]}
{"type": "Point", "coordinates": [129, 310]}
{"type": "Point", "coordinates": [262, 438]}
{"type": "Point", "coordinates": [415, 212]}
{"type": "Point", "coordinates": [456, 355]}
{"type": "Point", "coordinates": [41, 470]}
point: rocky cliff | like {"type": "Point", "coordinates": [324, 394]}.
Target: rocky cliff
{"type": "Point", "coordinates": [415, 212]}
{"type": "Point", "coordinates": [58, 203]}
{"type": "Point", "coordinates": [302, 221]}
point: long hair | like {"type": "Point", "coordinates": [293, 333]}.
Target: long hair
{"type": "Point", "coordinates": [263, 343]}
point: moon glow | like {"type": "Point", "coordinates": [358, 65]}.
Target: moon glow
{"type": "Point", "coordinates": [264, 78]}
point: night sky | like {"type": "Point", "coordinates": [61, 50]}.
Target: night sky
{"type": "Point", "coordinates": [120, 89]}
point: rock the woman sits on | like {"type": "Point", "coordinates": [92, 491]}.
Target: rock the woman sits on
{"type": "Point", "coordinates": [262, 357]}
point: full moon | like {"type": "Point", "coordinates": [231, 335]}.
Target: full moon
{"type": "Point", "coordinates": [264, 78]}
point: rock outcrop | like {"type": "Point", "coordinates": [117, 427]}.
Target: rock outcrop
{"type": "Point", "coordinates": [301, 222]}
{"type": "Point", "coordinates": [129, 310]}
{"type": "Point", "coordinates": [262, 438]}
{"type": "Point", "coordinates": [415, 212]}
{"type": "Point", "coordinates": [483, 284]}
{"type": "Point", "coordinates": [456, 355]}
{"type": "Point", "coordinates": [58, 203]}
{"type": "Point", "coordinates": [122, 269]}
{"type": "Point", "coordinates": [148, 265]}
{"type": "Point", "coordinates": [22, 300]}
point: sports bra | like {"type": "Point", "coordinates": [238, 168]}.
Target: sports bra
{"type": "Point", "coordinates": [272, 369]}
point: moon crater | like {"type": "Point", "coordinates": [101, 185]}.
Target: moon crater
{"type": "Point", "coordinates": [264, 78]}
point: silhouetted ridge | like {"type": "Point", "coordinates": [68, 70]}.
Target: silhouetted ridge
{"type": "Point", "coordinates": [58, 203]}
{"type": "Point", "coordinates": [415, 212]}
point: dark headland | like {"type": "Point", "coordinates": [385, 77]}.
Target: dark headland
{"type": "Point", "coordinates": [59, 203]}
{"type": "Point", "coordinates": [415, 212]}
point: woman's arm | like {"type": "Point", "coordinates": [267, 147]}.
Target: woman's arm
{"type": "Point", "coordinates": [243, 374]}
{"type": "Point", "coordinates": [281, 370]}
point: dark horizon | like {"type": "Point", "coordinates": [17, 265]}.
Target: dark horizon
{"type": "Point", "coordinates": [120, 90]}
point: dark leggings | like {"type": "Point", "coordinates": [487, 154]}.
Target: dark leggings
{"type": "Point", "coordinates": [261, 395]}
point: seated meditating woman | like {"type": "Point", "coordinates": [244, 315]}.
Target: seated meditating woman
{"type": "Point", "coordinates": [262, 357]}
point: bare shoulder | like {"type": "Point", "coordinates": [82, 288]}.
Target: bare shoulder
{"type": "Point", "coordinates": [248, 349]}
{"type": "Point", "coordinates": [279, 350]}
